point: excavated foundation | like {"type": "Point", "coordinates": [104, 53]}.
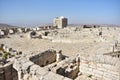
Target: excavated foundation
{"type": "Point", "coordinates": [44, 58]}
{"type": "Point", "coordinates": [48, 57]}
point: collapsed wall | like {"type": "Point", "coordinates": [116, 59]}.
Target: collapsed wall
{"type": "Point", "coordinates": [51, 57]}
{"type": "Point", "coordinates": [67, 68]}
{"type": "Point", "coordinates": [32, 68]}
{"type": "Point", "coordinates": [36, 67]}
{"type": "Point", "coordinates": [30, 71]}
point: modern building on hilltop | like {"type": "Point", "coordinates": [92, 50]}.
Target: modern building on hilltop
{"type": "Point", "coordinates": [60, 22]}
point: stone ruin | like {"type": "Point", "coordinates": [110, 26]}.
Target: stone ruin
{"type": "Point", "coordinates": [51, 65]}
{"type": "Point", "coordinates": [4, 33]}
{"type": "Point", "coordinates": [40, 67]}
{"type": "Point", "coordinates": [46, 66]}
{"type": "Point", "coordinates": [7, 72]}
{"type": "Point", "coordinates": [34, 35]}
{"type": "Point", "coordinates": [105, 68]}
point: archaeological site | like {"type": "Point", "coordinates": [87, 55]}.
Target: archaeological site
{"type": "Point", "coordinates": [60, 52]}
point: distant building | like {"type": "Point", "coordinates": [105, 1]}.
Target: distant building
{"type": "Point", "coordinates": [60, 22]}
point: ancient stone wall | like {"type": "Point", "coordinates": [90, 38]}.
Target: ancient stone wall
{"type": "Point", "coordinates": [7, 72]}
{"type": "Point", "coordinates": [43, 66]}
{"type": "Point", "coordinates": [101, 70]}
{"type": "Point", "coordinates": [27, 70]}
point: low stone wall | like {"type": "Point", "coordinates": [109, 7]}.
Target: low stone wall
{"type": "Point", "coordinates": [104, 59]}
{"type": "Point", "coordinates": [7, 72]}
{"type": "Point", "coordinates": [101, 69]}
{"type": "Point", "coordinates": [66, 41]}
{"type": "Point", "coordinates": [43, 66]}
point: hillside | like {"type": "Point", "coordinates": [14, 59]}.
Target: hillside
{"type": "Point", "coordinates": [4, 26]}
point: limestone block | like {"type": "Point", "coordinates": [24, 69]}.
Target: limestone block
{"type": "Point", "coordinates": [26, 77]}
{"type": "Point", "coordinates": [101, 69]}
{"type": "Point", "coordinates": [33, 69]}
{"type": "Point", "coordinates": [26, 66]}
{"type": "Point", "coordinates": [58, 57]}
{"type": "Point", "coordinates": [115, 60]}
{"type": "Point", "coordinates": [98, 75]}
{"type": "Point", "coordinates": [111, 76]}
{"type": "Point", "coordinates": [34, 77]}
{"type": "Point", "coordinates": [84, 69]}
{"type": "Point", "coordinates": [55, 69]}
{"type": "Point", "coordinates": [2, 33]}
{"type": "Point", "coordinates": [90, 69]}
{"type": "Point", "coordinates": [98, 72]}
{"type": "Point", "coordinates": [20, 30]}
{"type": "Point", "coordinates": [17, 65]}
{"type": "Point", "coordinates": [89, 73]}
{"type": "Point", "coordinates": [84, 64]}
{"type": "Point", "coordinates": [117, 66]}
{"type": "Point", "coordinates": [11, 31]}
{"type": "Point", "coordinates": [52, 76]}
{"type": "Point", "coordinates": [113, 72]}
{"type": "Point", "coordinates": [105, 78]}
{"type": "Point", "coordinates": [93, 65]}
{"type": "Point", "coordinates": [41, 71]}
{"type": "Point", "coordinates": [107, 66]}
{"type": "Point", "coordinates": [99, 65]}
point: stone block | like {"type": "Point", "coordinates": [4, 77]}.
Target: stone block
{"type": "Point", "coordinates": [41, 71]}
{"type": "Point", "coordinates": [53, 76]}
{"type": "Point", "coordinates": [26, 65]}
{"type": "Point", "coordinates": [84, 64]}
{"type": "Point", "coordinates": [105, 78]}
{"type": "Point", "coordinates": [111, 76]}
{"type": "Point", "coordinates": [107, 66]}
{"type": "Point", "coordinates": [113, 72]}
{"type": "Point", "coordinates": [90, 73]}
{"type": "Point", "coordinates": [98, 75]}
{"type": "Point", "coordinates": [90, 69]}
{"type": "Point", "coordinates": [98, 72]}
{"type": "Point", "coordinates": [101, 69]}
{"type": "Point", "coordinates": [84, 69]}
{"type": "Point", "coordinates": [33, 69]}
{"type": "Point", "coordinates": [93, 65]}
{"type": "Point", "coordinates": [65, 78]}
